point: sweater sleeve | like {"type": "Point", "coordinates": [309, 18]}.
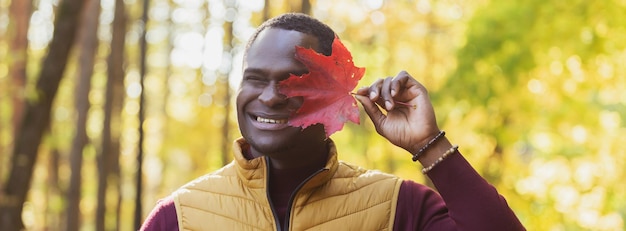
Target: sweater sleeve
{"type": "Point", "coordinates": [465, 201]}
{"type": "Point", "coordinates": [162, 217]}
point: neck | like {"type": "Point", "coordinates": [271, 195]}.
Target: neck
{"type": "Point", "coordinates": [310, 157]}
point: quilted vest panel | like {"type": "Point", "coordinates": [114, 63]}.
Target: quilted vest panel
{"type": "Point", "coordinates": [353, 199]}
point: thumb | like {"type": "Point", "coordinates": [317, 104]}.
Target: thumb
{"type": "Point", "coordinates": [375, 114]}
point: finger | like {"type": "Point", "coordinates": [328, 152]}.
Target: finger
{"type": "Point", "coordinates": [396, 84]}
{"type": "Point", "coordinates": [375, 89]}
{"type": "Point", "coordinates": [399, 85]}
{"type": "Point", "coordinates": [405, 82]}
{"type": "Point", "coordinates": [364, 91]}
{"type": "Point", "coordinates": [373, 112]}
{"type": "Point", "coordinates": [386, 94]}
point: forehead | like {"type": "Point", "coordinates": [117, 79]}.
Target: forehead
{"type": "Point", "coordinates": [277, 45]}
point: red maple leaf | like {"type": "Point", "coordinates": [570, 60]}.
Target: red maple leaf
{"type": "Point", "coordinates": [326, 89]}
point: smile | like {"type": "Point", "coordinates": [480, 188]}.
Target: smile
{"type": "Point", "coordinates": [271, 121]}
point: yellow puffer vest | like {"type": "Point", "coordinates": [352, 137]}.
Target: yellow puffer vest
{"type": "Point", "coordinates": [338, 197]}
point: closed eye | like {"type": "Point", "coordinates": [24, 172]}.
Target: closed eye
{"type": "Point", "coordinates": [255, 80]}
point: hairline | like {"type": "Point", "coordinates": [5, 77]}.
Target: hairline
{"type": "Point", "coordinates": [314, 25]}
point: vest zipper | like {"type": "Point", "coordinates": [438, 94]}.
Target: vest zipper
{"type": "Point", "coordinates": [291, 198]}
{"type": "Point", "coordinates": [267, 194]}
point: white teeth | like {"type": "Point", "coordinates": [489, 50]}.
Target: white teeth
{"type": "Point", "coordinates": [270, 121]}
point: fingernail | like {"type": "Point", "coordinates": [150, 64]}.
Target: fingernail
{"type": "Point", "coordinates": [372, 95]}
{"type": "Point", "coordinates": [393, 92]}
{"type": "Point", "coordinates": [388, 105]}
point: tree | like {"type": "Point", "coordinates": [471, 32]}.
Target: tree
{"type": "Point", "coordinates": [266, 10]}
{"type": "Point", "coordinates": [108, 156]}
{"type": "Point", "coordinates": [142, 74]}
{"type": "Point", "coordinates": [305, 7]}
{"type": "Point", "coordinates": [20, 14]}
{"type": "Point", "coordinates": [19, 23]}
{"type": "Point", "coordinates": [36, 117]}
{"type": "Point", "coordinates": [88, 41]}
{"type": "Point", "coordinates": [228, 49]}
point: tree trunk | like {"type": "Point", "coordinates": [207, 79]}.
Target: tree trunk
{"type": "Point", "coordinates": [266, 11]}
{"type": "Point", "coordinates": [53, 218]}
{"type": "Point", "coordinates": [305, 7]}
{"type": "Point", "coordinates": [88, 41]}
{"type": "Point", "coordinates": [20, 11]}
{"type": "Point", "coordinates": [228, 48]}
{"type": "Point", "coordinates": [36, 117]}
{"type": "Point", "coordinates": [142, 74]}
{"type": "Point", "coordinates": [108, 158]}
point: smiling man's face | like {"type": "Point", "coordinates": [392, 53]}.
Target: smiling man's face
{"type": "Point", "coordinates": [261, 110]}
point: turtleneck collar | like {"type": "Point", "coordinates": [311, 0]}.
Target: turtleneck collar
{"type": "Point", "coordinates": [253, 172]}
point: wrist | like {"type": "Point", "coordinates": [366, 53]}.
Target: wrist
{"type": "Point", "coordinates": [437, 150]}
{"type": "Point", "coordinates": [421, 147]}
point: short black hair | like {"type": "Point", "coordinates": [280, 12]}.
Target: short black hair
{"type": "Point", "coordinates": [302, 23]}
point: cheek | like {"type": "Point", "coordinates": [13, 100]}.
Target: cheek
{"type": "Point", "coordinates": [239, 100]}
{"type": "Point", "coordinates": [245, 95]}
{"type": "Point", "coordinates": [239, 105]}
{"type": "Point", "coordinates": [296, 102]}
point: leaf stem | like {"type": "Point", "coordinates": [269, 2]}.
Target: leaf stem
{"type": "Point", "coordinates": [406, 104]}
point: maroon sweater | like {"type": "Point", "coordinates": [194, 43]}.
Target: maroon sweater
{"type": "Point", "coordinates": [465, 202]}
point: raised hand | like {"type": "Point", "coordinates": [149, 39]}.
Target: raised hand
{"type": "Point", "coordinates": [405, 126]}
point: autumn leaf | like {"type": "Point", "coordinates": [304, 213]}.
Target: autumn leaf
{"type": "Point", "coordinates": [326, 89]}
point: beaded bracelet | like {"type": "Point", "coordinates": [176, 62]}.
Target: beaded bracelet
{"type": "Point", "coordinates": [450, 151]}
{"type": "Point", "coordinates": [421, 151]}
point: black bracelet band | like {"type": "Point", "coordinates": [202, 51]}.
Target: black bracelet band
{"type": "Point", "coordinates": [423, 149]}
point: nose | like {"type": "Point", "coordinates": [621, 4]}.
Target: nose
{"type": "Point", "coordinates": [271, 97]}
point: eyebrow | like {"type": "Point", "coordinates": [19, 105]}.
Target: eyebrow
{"type": "Point", "coordinates": [255, 70]}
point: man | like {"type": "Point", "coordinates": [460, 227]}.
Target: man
{"type": "Point", "coordinates": [288, 178]}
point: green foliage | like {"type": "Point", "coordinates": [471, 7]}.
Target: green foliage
{"type": "Point", "coordinates": [543, 76]}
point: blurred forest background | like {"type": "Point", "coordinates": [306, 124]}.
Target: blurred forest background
{"type": "Point", "coordinates": [108, 105]}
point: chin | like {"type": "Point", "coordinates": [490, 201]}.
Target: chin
{"type": "Point", "coordinates": [268, 145]}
